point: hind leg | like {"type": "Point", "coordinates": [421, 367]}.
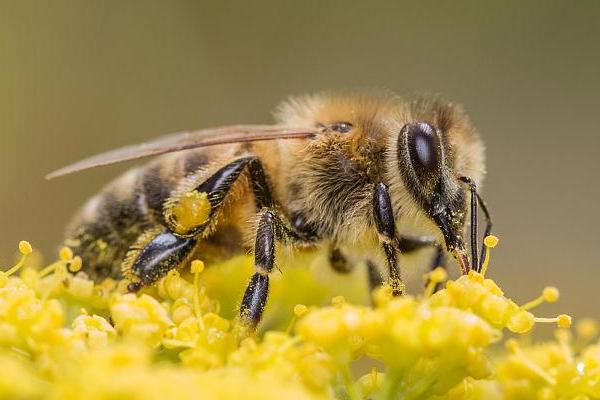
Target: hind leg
{"type": "Point", "coordinates": [190, 215]}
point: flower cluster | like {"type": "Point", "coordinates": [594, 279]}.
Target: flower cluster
{"type": "Point", "coordinates": [561, 369]}
{"type": "Point", "coordinates": [64, 337]}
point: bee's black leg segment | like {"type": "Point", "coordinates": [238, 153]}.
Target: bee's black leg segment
{"type": "Point", "coordinates": [391, 254]}
{"type": "Point", "coordinates": [257, 291]}
{"type": "Point", "coordinates": [260, 185]}
{"type": "Point", "coordinates": [255, 299]}
{"type": "Point", "coordinates": [438, 260]}
{"type": "Point", "coordinates": [161, 254]}
{"type": "Point", "coordinates": [270, 228]}
{"type": "Point", "coordinates": [386, 227]}
{"type": "Point", "coordinates": [338, 261]}
{"type": "Point", "coordinates": [374, 276]}
{"type": "Point", "coordinates": [409, 244]}
{"type": "Point", "coordinates": [218, 185]}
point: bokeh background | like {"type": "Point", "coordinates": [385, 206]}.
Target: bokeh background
{"type": "Point", "coordinates": [79, 77]}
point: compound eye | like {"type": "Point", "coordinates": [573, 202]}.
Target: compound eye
{"type": "Point", "coordinates": [341, 127]}
{"type": "Point", "coordinates": [424, 150]}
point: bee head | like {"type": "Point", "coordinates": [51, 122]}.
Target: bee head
{"type": "Point", "coordinates": [424, 161]}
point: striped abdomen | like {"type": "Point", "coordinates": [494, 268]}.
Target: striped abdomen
{"type": "Point", "coordinates": [110, 222]}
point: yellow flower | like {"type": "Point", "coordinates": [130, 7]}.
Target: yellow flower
{"type": "Point", "coordinates": [140, 318]}
{"type": "Point", "coordinates": [94, 330]}
{"type": "Point", "coordinates": [63, 336]}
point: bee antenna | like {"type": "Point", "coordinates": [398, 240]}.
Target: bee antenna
{"type": "Point", "coordinates": [474, 198]}
{"type": "Point", "coordinates": [477, 200]}
{"type": "Point", "coordinates": [488, 228]}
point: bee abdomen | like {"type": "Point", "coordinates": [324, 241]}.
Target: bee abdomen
{"type": "Point", "coordinates": [111, 222]}
{"type": "Point", "coordinates": [107, 225]}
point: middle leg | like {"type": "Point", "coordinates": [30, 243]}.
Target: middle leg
{"type": "Point", "coordinates": [411, 244]}
{"type": "Point", "coordinates": [271, 229]}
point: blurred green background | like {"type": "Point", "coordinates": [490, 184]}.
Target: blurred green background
{"type": "Point", "coordinates": [79, 77]}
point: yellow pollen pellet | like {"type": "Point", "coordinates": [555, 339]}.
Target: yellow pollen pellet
{"type": "Point", "coordinates": [550, 294]}
{"type": "Point", "coordinates": [300, 310]}
{"type": "Point", "coordinates": [76, 264]}
{"type": "Point", "coordinates": [438, 275]}
{"type": "Point", "coordinates": [65, 253]}
{"type": "Point", "coordinates": [197, 266]}
{"type": "Point", "coordinates": [563, 321]}
{"type": "Point", "coordinates": [191, 211]}
{"type": "Point", "coordinates": [25, 247]}
{"type": "Point", "coordinates": [491, 241]}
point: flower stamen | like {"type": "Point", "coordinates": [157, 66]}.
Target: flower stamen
{"type": "Point", "coordinates": [25, 249]}
{"type": "Point", "coordinates": [550, 294]}
{"type": "Point", "coordinates": [489, 242]}
{"type": "Point", "coordinates": [197, 267]}
{"type": "Point", "coordinates": [562, 321]}
{"type": "Point", "coordinates": [513, 346]}
{"type": "Point", "coordinates": [436, 276]}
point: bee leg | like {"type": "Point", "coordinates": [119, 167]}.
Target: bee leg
{"type": "Point", "coordinates": [438, 260]}
{"type": "Point", "coordinates": [410, 244]}
{"type": "Point", "coordinates": [406, 245]}
{"type": "Point", "coordinates": [162, 249]}
{"type": "Point", "coordinates": [338, 261]}
{"type": "Point", "coordinates": [255, 297]}
{"type": "Point", "coordinates": [270, 228]}
{"type": "Point", "coordinates": [208, 195]}
{"type": "Point", "coordinates": [374, 276]}
{"type": "Point", "coordinates": [157, 252]}
{"type": "Point", "coordinates": [386, 228]}
{"type": "Point", "coordinates": [218, 185]}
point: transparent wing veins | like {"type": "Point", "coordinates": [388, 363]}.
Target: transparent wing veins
{"type": "Point", "coordinates": [187, 140]}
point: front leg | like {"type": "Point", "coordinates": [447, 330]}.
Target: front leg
{"type": "Point", "coordinates": [383, 214]}
{"type": "Point", "coordinates": [408, 245]}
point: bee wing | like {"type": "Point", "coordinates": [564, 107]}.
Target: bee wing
{"type": "Point", "coordinates": [187, 140]}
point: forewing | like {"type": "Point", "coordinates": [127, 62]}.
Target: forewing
{"type": "Point", "coordinates": [187, 140]}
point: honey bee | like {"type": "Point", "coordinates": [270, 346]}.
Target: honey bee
{"type": "Point", "coordinates": [338, 171]}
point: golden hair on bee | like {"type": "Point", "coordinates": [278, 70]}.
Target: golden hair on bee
{"type": "Point", "coordinates": [367, 151]}
{"type": "Point", "coordinates": [363, 176]}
